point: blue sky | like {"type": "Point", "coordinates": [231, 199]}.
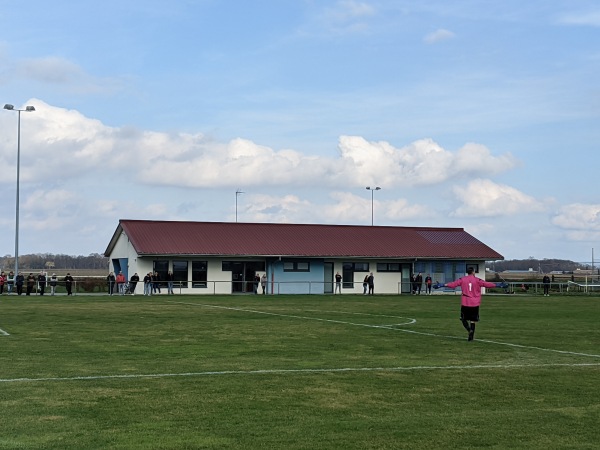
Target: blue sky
{"type": "Point", "coordinates": [474, 114]}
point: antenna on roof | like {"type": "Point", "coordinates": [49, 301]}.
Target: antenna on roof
{"type": "Point", "coordinates": [237, 192]}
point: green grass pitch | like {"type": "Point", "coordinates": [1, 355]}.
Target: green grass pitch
{"type": "Point", "coordinates": [298, 372]}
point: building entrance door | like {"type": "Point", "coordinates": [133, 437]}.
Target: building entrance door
{"type": "Point", "coordinates": [242, 276]}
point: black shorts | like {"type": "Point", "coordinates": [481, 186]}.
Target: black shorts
{"type": "Point", "coordinates": [469, 313]}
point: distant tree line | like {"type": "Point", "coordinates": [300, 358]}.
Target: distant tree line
{"type": "Point", "coordinates": [539, 265]}
{"type": "Point", "coordinates": [50, 261]}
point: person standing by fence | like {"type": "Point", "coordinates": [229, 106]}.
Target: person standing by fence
{"type": "Point", "coordinates": [69, 284]}
{"type": "Point", "coordinates": [263, 283]}
{"type": "Point", "coordinates": [428, 282]}
{"type": "Point", "coordinates": [148, 284]}
{"type": "Point", "coordinates": [371, 282]}
{"type": "Point", "coordinates": [19, 282]}
{"type": "Point", "coordinates": [42, 282]}
{"type": "Point", "coordinates": [338, 284]}
{"type": "Point", "coordinates": [170, 283]}
{"type": "Point", "coordinates": [546, 283]}
{"type": "Point", "coordinates": [10, 282]}
{"type": "Point", "coordinates": [110, 281]}
{"type": "Point", "coordinates": [121, 283]}
{"type": "Point", "coordinates": [133, 281]}
{"type": "Point", "coordinates": [53, 283]}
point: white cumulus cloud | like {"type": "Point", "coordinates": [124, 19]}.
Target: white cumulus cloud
{"type": "Point", "coordinates": [484, 198]}
{"type": "Point", "coordinates": [578, 216]}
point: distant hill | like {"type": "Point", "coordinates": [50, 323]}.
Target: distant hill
{"type": "Point", "coordinates": [539, 265]}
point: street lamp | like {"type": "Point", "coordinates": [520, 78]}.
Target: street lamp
{"type": "Point", "coordinates": [238, 192]}
{"type": "Point", "coordinates": [27, 109]}
{"type": "Point", "coordinates": [372, 190]}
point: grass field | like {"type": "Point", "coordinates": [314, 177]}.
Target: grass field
{"type": "Point", "coordinates": [298, 372]}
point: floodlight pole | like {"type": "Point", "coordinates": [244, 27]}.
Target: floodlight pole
{"type": "Point", "coordinates": [376, 188]}
{"type": "Point", "coordinates": [27, 109]}
{"type": "Point", "coordinates": [238, 192]}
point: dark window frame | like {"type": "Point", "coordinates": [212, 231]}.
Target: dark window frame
{"type": "Point", "coordinates": [199, 276]}
{"type": "Point", "coordinates": [179, 279]}
{"type": "Point", "coordinates": [296, 266]}
{"type": "Point", "coordinates": [385, 267]}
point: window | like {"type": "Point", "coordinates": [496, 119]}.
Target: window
{"type": "Point", "coordinates": [199, 272]}
{"type": "Point", "coordinates": [420, 267]}
{"type": "Point", "coordinates": [348, 270]}
{"type": "Point", "coordinates": [361, 267]}
{"type": "Point", "coordinates": [296, 266]}
{"type": "Point", "coordinates": [162, 267]}
{"type": "Point", "coordinates": [474, 266]}
{"type": "Point", "coordinates": [389, 267]}
{"type": "Point", "coordinates": [180, 273]}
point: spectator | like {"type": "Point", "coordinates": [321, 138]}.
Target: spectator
{"type": "Point", "coordinates": [19, 282]}
{"type": "Point", "coordinates": [69, 284]}
{"type": "Point", "coordinates": [371, 282]}
{"type": "Point", "coordinates": [2, 281]}
{"type": "Point", "coordinates": [30, 283]}
{"type": "Point", "coordinates": [110, 281]}
{"type": "Point", "coordinates": [155, 282]}
{"type": "Point", "coordinates": [263, 283]}
{"type": "Point", "coordinates": [121, 280]}
{"type": "Point", "coordinates": [546, 282]}
{"type": "Point", "coordinates": [338, 283]}
{"type": "Point", "coordinates": [428, 282]}
{"type": "Point", "coordinates": [255, 283]}
{"type": "Point", "coordinates": [170, 282]}
{"type": "Point", "coordinates": [365, 284]}
{"type": "Point", "coordinates": [148, 284]}
{"type": "Point", "coordinates": [133, 281]}
{"type": "Point", "coordinates": [10, 281]}
{"type": "Point", "coordinates": [41, 282]}
{"type": "Point", "coordinates": [53, 283]}
{"type": "Point", "coordinates": [418, 283]}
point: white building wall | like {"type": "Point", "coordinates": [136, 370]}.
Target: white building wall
{"type": "Point", "coordinates": [219, 282]}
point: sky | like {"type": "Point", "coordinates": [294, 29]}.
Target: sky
{"type": "Point", "coordinates": [474, 114]}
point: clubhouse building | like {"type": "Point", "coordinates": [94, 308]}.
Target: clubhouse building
{"type": "Point", "coordinates": [227, 258]}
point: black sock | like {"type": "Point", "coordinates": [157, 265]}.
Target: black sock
{"type": "Point", "coordinates": [466, 325]}
{"type": "Point", "coordinates": [472, 327]}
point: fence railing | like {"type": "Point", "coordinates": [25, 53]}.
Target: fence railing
{"type": "Point", "coordinates": [100, 287]}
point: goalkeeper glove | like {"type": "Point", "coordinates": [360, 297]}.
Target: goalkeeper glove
{"type": "Point", "coordinates": [502, 285]}
{"type": "Point", "coordinates": [438, 285]}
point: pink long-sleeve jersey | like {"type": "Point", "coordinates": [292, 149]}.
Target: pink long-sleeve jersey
{"type": "Point", "coordinates": [471, 289]}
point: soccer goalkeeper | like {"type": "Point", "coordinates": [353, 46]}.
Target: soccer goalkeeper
{"type": "Point", "coordinates": [470, 299]}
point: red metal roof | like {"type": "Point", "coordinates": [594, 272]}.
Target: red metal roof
{"type": "Point", "coordinates": [302, 240]}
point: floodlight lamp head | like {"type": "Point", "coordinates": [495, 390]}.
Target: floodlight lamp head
{"type": "Point", "coordinates": [9, 107]}
{"type": "Point", "coordinates": [29, 108]}
{"type": "Point", "coordinates": [377, 188]}
{"type": "Point", "coordinates": [368, 188]}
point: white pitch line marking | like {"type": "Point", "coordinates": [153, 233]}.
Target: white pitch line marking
{"type": "Point", "coordinates": [286, 315]}
{"type": "Point", "coordinates": [4, 333]}
{"type": "Point", "coordinates": [390, 327]}
{"type": "Point", "coordinates": [410, 319]}
{"type": "Point", "coordinates": [297, 371]}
